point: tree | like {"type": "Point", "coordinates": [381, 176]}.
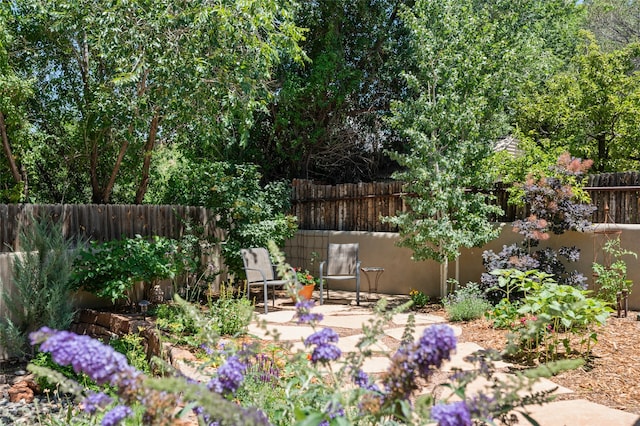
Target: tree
{"type": "Point", "coordinates": [615, 23]}
{"type": "Point", "coordinates": [471, 58]}
{"type": "Point", "coordinates": [592, 109]}
{"type": "Point", "coordinates": [327, 119]}
{"type": "Point", "coordinates": [251, 214]}
{"type": "Point", "coordinates": [114, 80]}
{"type": "Point", "coordinates": [13, 94]}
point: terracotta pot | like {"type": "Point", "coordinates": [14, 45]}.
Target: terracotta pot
{"type": "Point", "coordinates": [306, 292]}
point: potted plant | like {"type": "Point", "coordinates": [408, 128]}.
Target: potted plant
{"type": "Point", "coordinates": [307, 283]}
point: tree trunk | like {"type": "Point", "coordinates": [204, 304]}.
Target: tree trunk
{"type": "Point", "coordinates": [444, 274]}
{"type": "Point", "coordinates": [148, 150]}
{"type": "Point", "coordinates": [7, 150]}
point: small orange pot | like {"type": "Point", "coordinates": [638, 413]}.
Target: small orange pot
{"type": "Point", "coordinates": [306, 292]}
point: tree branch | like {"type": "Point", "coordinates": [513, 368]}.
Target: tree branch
{"type": "Point", "coordinates": [7, 150]}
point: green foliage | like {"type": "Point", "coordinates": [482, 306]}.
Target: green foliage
{"type": "Point", "coordinates": [553, 321]}
{"type": "Point", "coordinates": [131, 345]}
{"type": "Point", "coordinates": [250, 214]}
{"type": "Point", "coordinates": [178, 324]}
{"type": "Point", "coordinates": [230, 316]}
{"type": "Point", "coordinates": [15, 93]}
{"type": "Point", "coordinates": [466, 303]}
{"type": "Point", "coordinates": [110, 269]}
{"type": "Point", "coordinates": [418, 298]}
{"type": "Point", "coordinates": [42, 290]}
{"type": "Point", "coordinates": [591, 109]}
{"type": "Point", "coordinates": [458, 105]}
{"type": "Point", "coordinates": [611, 278]}
{"type": "Point", "coordinates": [113, 82]}
{"type": "Point", "coordinates": [326, 122]}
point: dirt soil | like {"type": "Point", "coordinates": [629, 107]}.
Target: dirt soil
{"type": "Point", "coordinates": [611, 376]}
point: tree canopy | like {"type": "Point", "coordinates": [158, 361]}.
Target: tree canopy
{"type": "Point", "coordinates": [115, 80]}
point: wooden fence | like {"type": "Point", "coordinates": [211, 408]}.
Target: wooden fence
{"type": "Point", "coordinates": [357, 207]}
{"type": "Point", "coordinates": [100, 222]}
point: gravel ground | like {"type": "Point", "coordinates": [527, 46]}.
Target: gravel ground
{"type": "Point", "coordinates": [43, 410]}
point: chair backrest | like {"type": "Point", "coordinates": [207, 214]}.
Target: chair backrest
{"type": "Point", "coordinates": [342, 259]}
{"type": "Point", "coordinates": [257, 258]}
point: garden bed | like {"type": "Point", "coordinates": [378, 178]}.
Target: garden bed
{"type": "Point", "coordinates": [609, 378]}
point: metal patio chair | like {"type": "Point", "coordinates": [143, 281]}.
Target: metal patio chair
{"type": "Point", "coordinates": [342, 264]}
{"type": "Point", "coordinates": [260, 272]}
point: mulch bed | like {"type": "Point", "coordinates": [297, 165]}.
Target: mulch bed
{"type": "Point", "coordinates": [611, 376]}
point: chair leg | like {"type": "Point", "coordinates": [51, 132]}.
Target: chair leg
{"type": "Point", "coordinates": [266, 299]}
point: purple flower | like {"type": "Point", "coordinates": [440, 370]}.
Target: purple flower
{"type": "Point", "coordinates": [325, 353]}
{"type": "Point", "coordinates": [416, 359]}
{"type": "Point", "coordinates": [100, 362]}
{"type": "Point", "coordinates": [322, 337]}
{"type": "Point", "coordinates": [116, 415]}
{"type": "Point", "coordinates": [361, 379]}
{"type": "Point", "coordinates": [454, 414]}
{"type": "Point", "coordinates": [96, 400]}
{"type": "Point", "coordinates": [304, 314]}
{"type": "Point", "coordinates": [230, 376]}
{"type": "Point", "coordinates": [333, 410]}
{"type": "Point", "coordinates": [325, 350]}
{"type": "Point", "coordinates": [434, 347]}
{"type": "Point", "coordinates": [400, 379]}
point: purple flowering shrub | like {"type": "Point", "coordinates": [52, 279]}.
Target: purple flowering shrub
{"type": "Point", "coordinates": [556, 205]}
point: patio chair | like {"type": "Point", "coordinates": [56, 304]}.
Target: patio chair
{"type": "Point", "coordinates": [260, 272]}
{"type": "Point", "coordinates": [342, 264]}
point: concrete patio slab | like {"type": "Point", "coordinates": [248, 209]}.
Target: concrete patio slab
{"type": "Point", "coordinates": [579, 412]}
{"type": "Point", "coordinates": [277, 316]}
{"type": "Point", "coordinates": [286, 332]}
{"type": "Point", "coordinates": [348, 344]}
{"type": "Point", "coordinates": [481, 385]}
{"type": "Point", "coordinates": [464, 349]}
{"type": "Point", "coordinates": [346, 321]}
{"type": "Point", "coordinates": [420, 318]}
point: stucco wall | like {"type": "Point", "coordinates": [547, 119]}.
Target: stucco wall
{"type": "Point", "coordinates": [403, 274]}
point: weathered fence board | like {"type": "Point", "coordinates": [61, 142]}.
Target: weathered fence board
{"type": "Point", "coordinates": [83, 222]}
{"type": "Point", "coordinates": [358, 207]}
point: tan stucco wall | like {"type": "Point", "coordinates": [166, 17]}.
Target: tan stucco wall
{"type": "Point", "coordinates": [403, 274]}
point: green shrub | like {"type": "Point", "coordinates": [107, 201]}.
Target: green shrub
{"type": "Point", "coordinates": [230, 315]}
{"type": "Point", "coordinates": [42, 293]}
{"type": "Point", "coordinates": [466, 303]}
{"type": "Point", "coordinates": [612, 278]}
{"type": "Point", "coordinates": [131, 346]}
{"type": "Point", "coordinates": [111, 269]}
{"type": "Point", "coordinates": [551, 320]}
{"type": "Point", "coordinates": [418, 298]}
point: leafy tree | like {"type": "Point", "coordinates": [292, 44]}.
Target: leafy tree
{"type": "Point", "coordinates": [615, 23]}
{"type": "Point", "coordinates": [13, 93]}
{"type": "Point", "coordinates": [327, 119]}
{"type": "Point", "coordinates": [592, 109]}
{"type": "Point", "coordinates": [471, 59]}
{"type": "Point", "coordinates": [114, 80]}
{"type": "Point", "coordinates": [249, 213]}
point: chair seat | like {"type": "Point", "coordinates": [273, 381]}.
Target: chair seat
{"type": "Point", "coordinates": [339, 277]}
{"type": "Point", "coordinates": [274, 283]}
